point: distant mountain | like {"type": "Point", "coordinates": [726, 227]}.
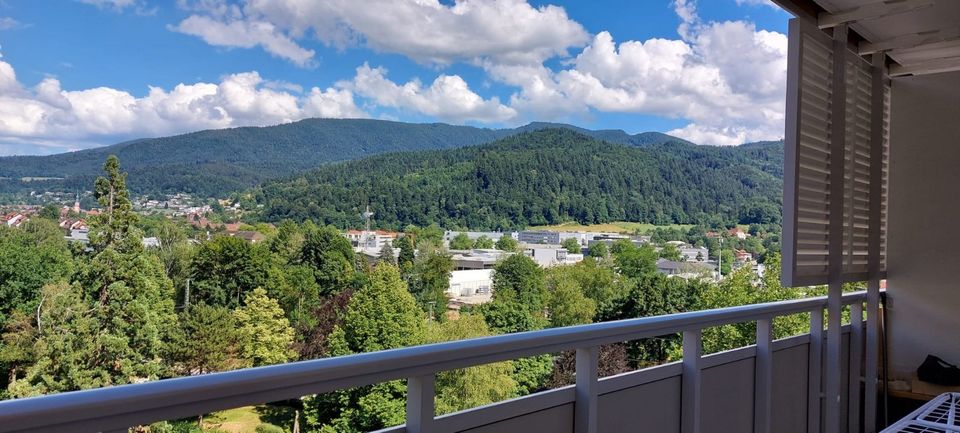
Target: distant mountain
{"type": "Point", "coordinates": [546, 176]}
{"type": "Point", "coordinates": [216, 162]}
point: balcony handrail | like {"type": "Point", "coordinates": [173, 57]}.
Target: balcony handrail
{"type": "Point", "coordinates": [117, 407]}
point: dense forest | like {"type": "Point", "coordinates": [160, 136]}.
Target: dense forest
{"type": "Point", "coordinates": [542, 177]}
{"type": "Point", "coordinates": [214, 163]}
{"type": "Point", "coordinates": [116, 312]}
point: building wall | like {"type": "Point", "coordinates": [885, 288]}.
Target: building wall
{"type": "Point", "coordinates": [924, 213]}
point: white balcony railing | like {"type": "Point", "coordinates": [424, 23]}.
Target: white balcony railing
{"type": "Point", "coordinates": [581, 407]}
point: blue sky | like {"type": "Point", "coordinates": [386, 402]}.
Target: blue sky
{"type": "Point", "coordinates": [78, 74]}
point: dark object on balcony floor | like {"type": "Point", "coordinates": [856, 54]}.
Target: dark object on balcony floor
{"type": "Point", "coordinates": [938, 371]}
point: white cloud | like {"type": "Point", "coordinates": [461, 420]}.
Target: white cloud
{"type": "Point", "coordinates": [758, 3]}
{"type": "Point", "coordinates": [448, 97]}
{"type": "Point", "coordinates": [510, 31]}
{"type": "Point", "coordinates": [48, 116]}
{"type": "Point", "coordinates": [727, 78]}
{"type": "Point", "coordinates": [246, 34]}
{"type": "Point", "coordinates": [116, 4]}
{"type": "Point", "coordinates": [7, 23]}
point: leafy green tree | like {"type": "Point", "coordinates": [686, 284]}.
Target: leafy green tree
{"type": "Point", "coordinates": [50, 212]}
{"type": "Point", "coordinates": [16, 348]}
{"type": "Point", "coordinates": [633, 261]}
{"type": "Point", "coordinates": [30, 257]}
{"type": "Point", "coordinates": [207, 341]}
{"type": "Point", "coordinates": [597, 280]}
{"type": "Point", "coordinates": [519, 278]}
{"type": "Point", "coordinates": [386, 254]}
{"type": "Point", "coordinates": [568, 306]}
{"type": "Point", "coordinates": [431, 278]}
{"type": "Point", "coordinates": [726, 265]}
{"type": "Point", "coordinates": [507, 243]}
{"type": "Point", "coordinates": [331, 256]}
{"type": "Point", "coordinates": [461, 242]}
{"type": "Point", "coordinates": [571, 245]}
{"type": "Point", "coordinates": [227, 268]}
{"type": "Point", "coordinates": [265, 334]}
{"type": "Point", "coordinates": [407, 256]}
{"type": "Point", "coordinates": [296, 289]}
{"type": "Point", "coordinates": [670, 252]}
{"type": "Point", "coordinates": [483, 243]}
{"type": "Point", "coordinates": [472, 386]}
{"type": "Point", "coordinates": [381, 315]}
{"type": "Point", "coordinates": [599, 250]}
{"type": "Point", "coordinates": [66, 341]}
{"type": "Point", "coordinates": [287, 241]}
{"type": "Point", "coordinates": [654, 295]}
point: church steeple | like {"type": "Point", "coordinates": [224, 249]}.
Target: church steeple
{"type": "Point", "coordinates": [76, 204]}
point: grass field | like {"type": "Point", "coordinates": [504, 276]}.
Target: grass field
{"type": "Point", "coordinates": [612, 227]}
{"type": "Point", "coordinates": [246, 419]}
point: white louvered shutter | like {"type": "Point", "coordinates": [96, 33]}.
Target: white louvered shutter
{"type": "Point", "coordinates": [810, 211]}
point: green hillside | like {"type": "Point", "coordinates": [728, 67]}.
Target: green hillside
{"type": "Point", "coordinates": [539, 178]}
{"type": "Point", "coordinates": [216, 162]}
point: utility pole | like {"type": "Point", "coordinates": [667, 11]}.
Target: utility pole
{"type": "Point", "coordinates": [720, 259]}
{"type": "Point", "coordinates": [186, 296]}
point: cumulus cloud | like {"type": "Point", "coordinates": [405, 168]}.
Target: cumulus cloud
{"type": "Point", "coordinates": [246, 34]}
{"type": "Point", "coordinates": [49, 116]}
{"type": "Point", "coordinates": [510, 31]}
{"type": "Point", "coordinates": [7, 23]}
{"type": "Point", "coordinates": [448, 97]}
{"type": "Point", "coordinates": [727, 78]}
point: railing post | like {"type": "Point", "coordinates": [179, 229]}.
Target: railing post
{"type": "Point", "coordinates": [420, 404]}
{"type": "Point", "coordinates": [871, 354]}
{"type": "Point", "coordinates": [763, 377]}
{"type": "Point", "coordinates": [585, 407]}
{"type": "Point", "coordinates": [856, 338]}
{"type": "Point", "coordinates": [814, 367]}
{"type": "Point", "coordinates": [690, 393]}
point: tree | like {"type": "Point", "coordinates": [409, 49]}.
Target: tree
{"type": "Point", "coordinates": [568, 306]}
{"type": "Point", "coordinates": [227, 268]}
{"type": "Point", "coordinates": [265, 334]}
{"type": "Point", "coordinates": [597, 280]}
{"type": "Point", "coordinates": [633, 261]}
{"type": "Point", "coordinates": [483, 243]}
{"type": "Point", "coordinates": [670, 252]}
{"type": "Point", "coordinates": [599, 250]}
{"type": "Point", "coordinates": [571, 245]}
{"type": "Point", "coordinates": [64, 348]}
{"type": "Point", "coordinates": [507, 243]}
{"type": "Point", "coordinates": [407, 256]}
{"type": "Point", "coordinates": [654, 295]}
{"type": "Point", "coordinates": [386, 254]}
{"type": "Point", "coordinates": [330, 255]}
{"type": "Point", "coordinates": [50, 212]}
{"type": "Point", "coordinates": [30, 257]}
{"type": "Point", "coordinates": [115, 222]}
{"type": "Point", "coordinates": [430, 279]}
{"type": "Point", "coordinates": [519, 278]}
{"type": "Point", "coordinates": [314, 341]}
{"type": "Point", "coordinates": [381, 315]}
{"type": "Point", "coordinates": [461, 242]}
{"type": "Point", "coordinates": [472, 386]}
{"type": "Point", "coordinates": [207, 341]}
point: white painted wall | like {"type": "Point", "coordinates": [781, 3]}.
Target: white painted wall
{"type": "Point", "coordinates": [924, 221]}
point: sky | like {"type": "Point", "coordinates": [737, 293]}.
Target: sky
{"type": "Point", "coordinates": [77, 74]}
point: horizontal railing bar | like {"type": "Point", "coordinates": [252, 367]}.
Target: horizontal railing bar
{"type": "Point", "coordinates": [124, 405]}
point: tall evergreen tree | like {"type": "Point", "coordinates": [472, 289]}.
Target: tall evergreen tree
{"type": "Point", "coordinates": [265, 334]}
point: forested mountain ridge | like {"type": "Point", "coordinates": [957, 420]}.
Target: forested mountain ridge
{"type": "Point", "coordinates": [216, 162]}
{"type": "Point", "coordinates": [542, 177]}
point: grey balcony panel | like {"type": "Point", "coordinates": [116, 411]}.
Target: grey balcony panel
{"type": "Point", "coordinates": [728, 397]}
{"type": "Point", "coordinates": [790, 389]}
{"type": "Point", "coordinates": [653, 407]}
{"type": "Point", "coordinates": [554, 420]}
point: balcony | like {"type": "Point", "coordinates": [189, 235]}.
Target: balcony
{"type": "Point", "coordinates": [773, 386]}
